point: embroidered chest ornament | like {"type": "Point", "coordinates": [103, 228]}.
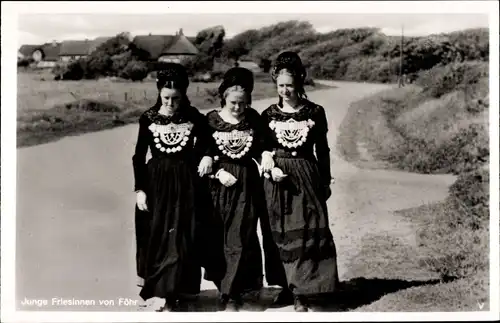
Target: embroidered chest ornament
{"type": "Point", "coordinates": [234, 144]}
{"type": "Point", "coordinates": [172, 137]}
{"type": "Point", "coordinates": [291, 133]}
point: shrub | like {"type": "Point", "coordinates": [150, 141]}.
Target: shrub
{"type": "Point", "coordinates": [309, 81]}
{"type": "Point", "coordinates": [199, 64]}
{"type": "Point", "coordinates": [472, 190]}
{"type": "Point", "coordinates": [25, 62]}
{"type": "Point", "coordinates": [453, 251]}
{"type": "Point", "coordinates": [89, 105]}
{"type": "Point", "coordinates": [455, 232]}
{"type": "Point", "coordinates": [456, 76]}
{"type": "Point", "coordinates": [73, 71]}
{"type": "Point", "coordinates": [212, 95]}
{"type": "Point", "coordinates": [265, 65]}
{"type": "Point", "coordinates": [135, 71]}
{"type": "Point", "coordinates": [202, 77]}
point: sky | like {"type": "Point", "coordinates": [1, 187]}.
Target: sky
{"type": "Point", "coordinates": [41, 28]}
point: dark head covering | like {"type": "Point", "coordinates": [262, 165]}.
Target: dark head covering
{"type": "Point", "coordinates": [177, 75]}
{"type": "Point", "coordinates": [174, 73]}
{"type": "Point", "coordinates": [237, 76]}
{"type": "Point", "coordinates": [290, 61]}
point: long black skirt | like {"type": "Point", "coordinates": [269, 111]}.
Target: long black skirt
{"type": "Point", "coordinates": [299, 223]}
{"type": "Point", "coordinates": [237, 208]}
{"type": "Point", "coordinates": [142, 227]}
{"type": "Point", "coordinates": [169, 260]}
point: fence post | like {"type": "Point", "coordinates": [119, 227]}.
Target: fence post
{"type": "Point", "coordinates": [125, 96]}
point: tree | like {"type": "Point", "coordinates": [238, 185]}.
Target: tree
{"type": "Point", "coordinates": [210, 41]}
{"type": "Point", "coordinates": [135, 71]}
{"type": "Point", "coordinates": [241, 44]}
{"type": "Point", "coordinates": [200, 63]}
{"type": "Point", "coordinates": [265, 64]}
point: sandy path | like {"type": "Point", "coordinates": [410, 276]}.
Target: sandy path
{"type": "Point", "coordinates": [75, 229]}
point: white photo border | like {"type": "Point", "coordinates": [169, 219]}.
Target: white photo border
{"type": "Point", "coordinates": [10, 12]}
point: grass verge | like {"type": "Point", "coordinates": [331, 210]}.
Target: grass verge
{"type": "Point", "coordinates": [437, 126]}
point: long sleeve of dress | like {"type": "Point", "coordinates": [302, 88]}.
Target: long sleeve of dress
{"type": "Point", "coordinates": [203, 134]}
{"type": "Point", "coordinates": [322, 148]}
{"type": "Point", "coordinates": [139, 158]}
{"type": "Point", "coordinates": [261, 134]}
{"type": "Point", "coordinates": [266, 134]}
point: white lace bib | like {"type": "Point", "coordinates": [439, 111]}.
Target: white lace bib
{"type": "Point", "coordinates": [234, 144]}
{"type": "Point", "coordinates": [172, 137]}
{"type": "Point", "coordinates": [291, 133]}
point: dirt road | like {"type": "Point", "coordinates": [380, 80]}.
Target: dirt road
{"type": "Point", "coordinates": [75, 229]}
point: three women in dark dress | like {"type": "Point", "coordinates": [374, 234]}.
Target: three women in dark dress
{"type": "Point", "coordinates": [290, 199]}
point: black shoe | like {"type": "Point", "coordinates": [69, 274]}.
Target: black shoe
{"type": "Point", "coordinates": [300, 304]}
{"type": "Point", "coordinates": [172, 304]}
{"type": "Point", "coordinates": [284, 298]}
{"type": "Point", "coordinates": [233, 305]}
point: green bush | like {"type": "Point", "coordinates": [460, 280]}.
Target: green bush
{"type": "Point", "coordinates": [135, 71]}
{"type": "Point", "coordinates": [72, 71]}
{"type": "Point", "coordinates": [455, 232]}
{"type": "Point", "coordinates": [200, 63]}
{"type": "Point", "coordinates": [472, 190]}
{"type": "Point", "coordinates": [25, 62]}
{"type": "Point", "coordinates": [358, 54]}
{"type": "Point", "coordinates": [463, 76]}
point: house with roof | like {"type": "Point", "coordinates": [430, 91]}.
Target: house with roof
{"type": "Point", "coordinates": [26, 51]}
{"type": "Point", "coordinates": [75, 49]}
{"type": "Point", "coordinates": [163, 48]}
{"type": "Point", "coordinates": [167, 48]}
{"type": "Point", "coordinates": [45, 55]}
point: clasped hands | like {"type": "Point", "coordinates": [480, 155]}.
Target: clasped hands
{"type": "Point", "coordinates": [205, 168]}
{"type": "Point", "coordinates": [267, 166]}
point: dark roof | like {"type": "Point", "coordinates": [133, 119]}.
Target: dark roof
{"type": "Point", "coordinates": [156, 45]}
{"type": "Point", "coordinates": [81, 47]}
{"type": "Point", "coordinates": [27, 50]}
{"type": "Point", "coordinates": [181, 45]}
{"type": "Point", "coordinates": [50, 51]}
{"type": "Point", "coordinates": [75, 47]}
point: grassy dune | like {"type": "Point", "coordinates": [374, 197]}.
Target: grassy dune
{"type": "Point", "coordinates": [438, 125]}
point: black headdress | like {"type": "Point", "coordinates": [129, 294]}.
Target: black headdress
{"type": "Point", "coordinates": [290, 61]}
{"type": "Point", "coordinates": [175, 73]}
{"type": "Point", "coordinates": [237, 76]}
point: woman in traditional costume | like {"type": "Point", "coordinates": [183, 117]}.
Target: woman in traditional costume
{"type": "Point", "coordinates": [168, 191]}
{"type": "Point", "coordinates": [236, 188]}
{"type": "Point", "coordinates": [297, 204]}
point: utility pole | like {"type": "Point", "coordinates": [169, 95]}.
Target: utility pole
{"type": "Point", "coordinates": [401, 81]}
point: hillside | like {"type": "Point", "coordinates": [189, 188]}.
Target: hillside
{"type": "Point", "coordinates": [436, 125]}
{"type": "Point", "coordinates": [362, 54]}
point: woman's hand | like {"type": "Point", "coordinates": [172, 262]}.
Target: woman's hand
{"type": "Point", "coordinates": [277, 174]}
{"type": "Point", "coordinates": [267, 161]}
{"type": "Point", "coordinates": [205, 166]}
{"type": "Point", "coordinates": [226, 179]}
{"type": "Point", "coordinates": [141, 201]}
